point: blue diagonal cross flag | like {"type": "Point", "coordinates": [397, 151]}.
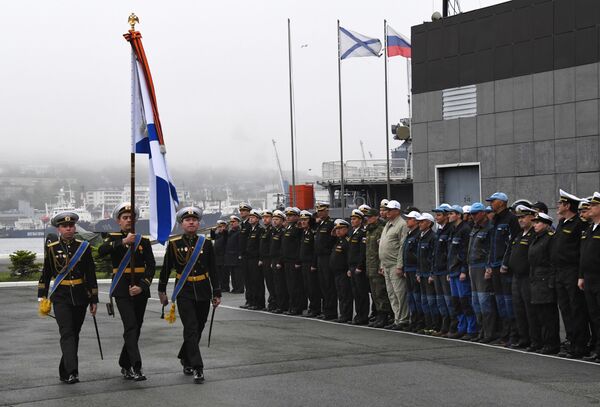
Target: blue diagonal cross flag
{"type": "Point", "coordinates": [353, 44]}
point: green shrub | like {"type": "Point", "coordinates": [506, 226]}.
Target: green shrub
{"type": "Point", "coordinates": [22, 263]}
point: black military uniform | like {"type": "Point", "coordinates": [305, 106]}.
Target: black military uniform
{"type": "Point", "coordinates": [290, 254]}
{"type": "Point", "coordinates": [195, 297]}
{"type": "Point", "coordinates": [516, 261]}
{"type": "Point", "coordinates": [265, 259]}
{"type": "Point", "coordinates": [324, 242]}
{"type": "Point", "coordinates": [131, 308]}
{"type": "Point", "coordinates": [589, 271]}
{"type": "Point", "coordinates": [282, 298]}
{"type": "Point", "coordinates": [219, 240]}
{"type": "Point", "coordinates": [544, 320]}
{"type": "Point", "coordinates": [78, 289]}
{"type": "Point", "coordinates": [357, 257]}
{"type": "Point", "coordinates": [233, 261]}
{"type": "Point", "coordinates": [309, 267]}
{"type": "Point", "coordinates": [255, 282]}
{"type": "Point", "coordinates": [338, 264]}
{"type": "Point", "coordinates": [571, 300]}
{"type": "Point", "coordinates": [245, 228]}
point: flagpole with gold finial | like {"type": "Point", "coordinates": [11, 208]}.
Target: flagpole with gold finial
{"type": "Point", "coordinates": [132, 20]}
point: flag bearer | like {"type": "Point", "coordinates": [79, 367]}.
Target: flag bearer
{"type": "Point", "coordinates": [130, 288]}
{"type": "Point", "coordinates": [196, 286]}
{"type": "Point", "coordinates": [69, 261]}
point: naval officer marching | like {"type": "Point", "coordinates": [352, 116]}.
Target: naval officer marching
{"type": "Point", "coordinates": [69, 262]}
{"type": "Point", "coordinates": [197, 285]}
{"type": "Point", "coordinates": [130, 290]}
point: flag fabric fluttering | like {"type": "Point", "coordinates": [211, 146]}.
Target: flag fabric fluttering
{"type": "Point", "coordinates": [147, 138]}
{"type": "Point", "coordinates": [397, 44]}
{"type": "Point", "coordinates": [353, 44]}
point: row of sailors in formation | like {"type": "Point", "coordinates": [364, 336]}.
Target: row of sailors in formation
{"type": "Point", "coordinates": [494, 274]}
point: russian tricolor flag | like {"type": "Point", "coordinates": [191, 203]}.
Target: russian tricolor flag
{"type": "Point", "coordinates": [147, 138]}
{"type": "Point", "coordinates": [397, 44]}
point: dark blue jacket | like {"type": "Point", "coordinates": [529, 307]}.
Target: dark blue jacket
{"type": "Point", "coordinates": [458, 248]}
{"type": "Point", "coordinates": [479, 246]}
{"type": "Point", "coordinates": [440, 250]}
{"type": "Point", "coordinates": [505, 226]}
{"type": "Point", "coordinates": [425, 253]}
{"type": "Point", "coordinates": [409, 251]}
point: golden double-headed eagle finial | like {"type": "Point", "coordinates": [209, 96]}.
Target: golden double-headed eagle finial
{"type": "Point", "coordinates": [132, 20]}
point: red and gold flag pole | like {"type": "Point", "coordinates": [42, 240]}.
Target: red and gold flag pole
{"type": "Point", "coordinates": [130, 37]}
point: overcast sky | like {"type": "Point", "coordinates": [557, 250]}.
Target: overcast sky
{"type": "Point", "coordinates": [221, 76]}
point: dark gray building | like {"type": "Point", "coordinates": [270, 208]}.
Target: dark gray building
{"type": "Point", "coordinates": [506, 98]}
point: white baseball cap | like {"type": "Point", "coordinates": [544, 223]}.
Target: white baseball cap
{"type": "Point", "coordinates": [393, 205]}
{"type": "Point", "coordinates": [426, 216]}
{"type": "Point", "coordinates": [413, 215]}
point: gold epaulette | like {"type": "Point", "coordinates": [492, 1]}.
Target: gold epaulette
{"type": "Point", "coordinates": [78, 240]}
{"type": "Point", "coordinates": [52, 244]}
{"type": "Point", "coordinates": [175, 238]}
{"type": "Point", "coordinates": [115, 233]}
{"type": "Point", "coordinates": [550, 233]}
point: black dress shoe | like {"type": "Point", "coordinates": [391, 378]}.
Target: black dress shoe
{"type": "Point", "coordinates": [138, 376]}
{"type": "Point", "coordinates": [253, 308]}
{"type": "Point", "coordinates": [547, 350]}
{"type": "Point", "coordinates": [312, 314]}
{"type": "Point", "coordinates": [489, 339]}
{"type": "Point", "coordinates": [330, 317]}
{"type": "Point", "coordinates": [456, 335]}
{"type": "Point", "coordinates": [520, 345]}
{"type": "Point", "coordinates": [127, 373]}
{"type": "Point", "coordinates": [198, 376]}
{"type": "Point", "coordinates": [390, 326]}
{"type": "Point", "coordinates": [468, 337]}
{"type": "Point", "coordinates": [245, 306]}
{"type": "Point", "coordinates": [360, 322]}
{"type": "Point", "coordinates": [593, 357]}
{"type": "Point", "coordinates": [533, 348]}
{"type": "Point", "coordinates": [188, 370]}
{"type": "Point", "coordinates": [278, 311]}
{"type": "Point", "coordinates": [287, 313]}
{"type": "Point", "coordinates": [342, 320]}
{"type": "Point", "coordinates": [72, 379]}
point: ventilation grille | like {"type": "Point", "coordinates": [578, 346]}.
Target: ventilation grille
{"type": "Point", "coordinates": [459, 102]}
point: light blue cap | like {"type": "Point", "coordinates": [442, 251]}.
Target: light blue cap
{"type": "Point", "coordinates": [489, 209]}
{"type": "Point", "coordinates": [457, 209]}
{"type": "Point", "coordinates": [477, 207]}
{"type": "Point", "coordinates": [498, 195]}
{"type": "Point", "coordinates": [442, 208]}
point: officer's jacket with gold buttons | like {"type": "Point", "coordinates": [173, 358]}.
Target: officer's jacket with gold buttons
{"type": "Point", "coordinates": [203, 281]}
{"type": "Point", "coordinates": [79, 287]}
{"type": "Point", "coordinates": [144, 263]}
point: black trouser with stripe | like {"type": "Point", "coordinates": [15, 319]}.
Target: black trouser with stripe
{"type": "Point", "coordinates": [328, 286]}
{"type": "Point", "coordinates": [132, 311]}
{"type": "Point", "coordinates": [295, 287]}
{"type": "Point", "coordinates": [573, 308]}
{"type": "Point", "coordinates": [521, 293]}
{"type": "Point", "coordinates": [360, 292]}
{"type": "Point", "coordinates": [270, 282]}
{"type": "Point", "coordinates": [255, 283]}
{"type": "Point", "coordinates": [283, 299]}
{"type": "Point", "coordinates": [69, 319]}
{"type": "Point", "coordinates": [193, 316]}
{"type": "Point", "coordinates": [312, 288]}
{"type": "Point", "coordinates": [343, 287]}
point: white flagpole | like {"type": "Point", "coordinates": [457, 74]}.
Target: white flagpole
{"type": "Point", "coordinates": [387, 124]}
{"type": "Point", "coordinates": [342, 197]}
{"type": "Point", "coordinates": [293, 195]}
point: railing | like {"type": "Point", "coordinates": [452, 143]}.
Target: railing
{"type": "Point", "coordinates": [367, 170]}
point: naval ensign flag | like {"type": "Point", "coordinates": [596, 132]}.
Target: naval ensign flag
{"type": "Point", "coordinates": [147, 138]}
